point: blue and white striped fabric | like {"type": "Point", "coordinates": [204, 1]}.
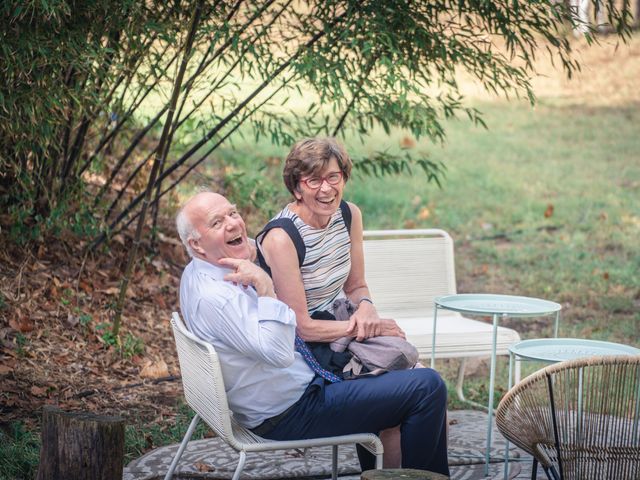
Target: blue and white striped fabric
{"type": "Point", "coordinates": [327, 261]}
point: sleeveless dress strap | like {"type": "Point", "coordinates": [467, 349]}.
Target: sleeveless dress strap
{"type": "Point", "coordinates": [289, 227]}
{"type": "Point", "coordinates": [346, 215]}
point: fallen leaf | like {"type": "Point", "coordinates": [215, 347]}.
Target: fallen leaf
{"type": "Point", "coordinates": [72, 320]}
{"type": "Point", "coordinates": [409, 224]}
{"type": "Point", "coordinates": [23, 324]}
{"type": "Point", "coordinates": [85, 287]}
{"type": "Point", "coordinates": [549, 211]}
{"type": "Point", "coordinates": [605, 275]}
{"type": "Point", "coordinates": [203, 467]}
{"type": "Point", "coordinates": [110, 290]}
{"type": "Point", "coordinates": [407, 142]}
{"type": "Point", "coordinates": [38, 391]}
{"type": "Point", "coordinates": [157, 369]}
{"type": "Point", "coordinates": [5, 369]}
{"type": "Point", "coordinates": [424, 213]}
{"type": "Point", "coordinates": [159, 298]}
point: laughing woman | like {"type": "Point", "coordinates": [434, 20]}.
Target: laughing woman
{"type": "Point", "coordinates": [321, 258]}
{"type": "Point", "coordinates": [313, 251]}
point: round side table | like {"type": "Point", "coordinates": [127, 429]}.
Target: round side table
{"type": "Point", "coordinates": [496, 306]}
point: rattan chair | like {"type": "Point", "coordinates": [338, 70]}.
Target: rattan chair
{"type": "Point", "coordinates": [579, 419]}
{"type": "Point", "coordinates": [204, 392]}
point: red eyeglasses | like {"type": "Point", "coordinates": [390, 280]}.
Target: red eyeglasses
{"type": "Point", "coordinates": [314, 183]}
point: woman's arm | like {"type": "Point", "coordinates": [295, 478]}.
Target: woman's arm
{"type": "Point", "coordinates": [280, 254]}
{"type": "Point", "coordinates": [368, 323]}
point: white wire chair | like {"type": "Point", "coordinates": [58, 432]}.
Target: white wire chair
{"type": "Point", "coordinates": [579, 419]}
{"type": "Point", "coordinates": [205, 394]}
{"type": "Point", "coordinates": [405, 271]}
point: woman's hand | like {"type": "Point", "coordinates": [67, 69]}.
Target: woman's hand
{"type": "Point", "coordinates": [248, 273]}
{"type": "Point", "coordinates": [369, 324]}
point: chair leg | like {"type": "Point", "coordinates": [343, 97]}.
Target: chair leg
{"type": "Point", "coordinates": [534, 469]}
{"type": "Point", "coordinates": [460, 380]}
{"type": "Point", "coordinates": [379, 459]}
{"type": "Point", "coordinates": [334, 464]}
{"type": "Point", "coordinates": [181, 448]}
{"type": "Point", "coordinates": [552, 474]}
{"type": "Point", "coordinates": [243, 458]}
{"type": "Point", "coordinates": [555, 475]}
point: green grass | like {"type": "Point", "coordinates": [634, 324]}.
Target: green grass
{"type": "Point", "coordinates": [142, 437]}
{"type": "Point", "coordinates": [19, 452]}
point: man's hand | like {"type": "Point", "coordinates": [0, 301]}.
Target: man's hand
{"type": "Point", "coordinates": [369, 324]}
{"type": "Point", "coordinates": [247, 273]}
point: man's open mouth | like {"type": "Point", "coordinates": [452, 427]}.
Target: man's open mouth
{"type": "Point", "coordinates": [235, 241]}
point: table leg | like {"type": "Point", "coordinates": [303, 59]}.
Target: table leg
{"type": "Point", "coordinates": [491, 386]}
{"type": "Point", "coordinates": [555, 329]}
{"type": "Point", "coordinates": [433, 338]}
{"type": "Point", "coordinates": [506, 448]}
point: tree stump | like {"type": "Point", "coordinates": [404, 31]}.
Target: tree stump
{"type": "Point", "coordinates": [80, 446]}
{"type": "Point", "coordinates": [401, 473]}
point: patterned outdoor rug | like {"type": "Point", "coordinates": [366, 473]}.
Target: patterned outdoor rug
{"type": "Point", "coordinates": [212, 459]}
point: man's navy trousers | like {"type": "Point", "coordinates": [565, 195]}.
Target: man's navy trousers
{"type": "Point", "coordinates": [415, 399]}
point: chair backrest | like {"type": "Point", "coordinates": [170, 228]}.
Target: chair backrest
{"type": "Point", "coordinates": [407, 269]}
{"type": "Point", "coordinates": [590, 405]}
{"type": "Point", "coordinates": [202, 380]}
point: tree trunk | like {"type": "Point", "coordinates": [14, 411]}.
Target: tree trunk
{"type": "Point", "coordinates": [80, 446]}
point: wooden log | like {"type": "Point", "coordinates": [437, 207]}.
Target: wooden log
{"type": "Point", "coordinates": [80, 446]}
{"type": "Point", "coordinates": [401, 473]}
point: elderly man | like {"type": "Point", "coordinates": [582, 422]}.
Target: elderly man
{"type": "Point", "coordinates": [230, 302]}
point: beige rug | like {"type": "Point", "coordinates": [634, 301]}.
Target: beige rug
{"type": "Point", "coordinates": [212, 459]}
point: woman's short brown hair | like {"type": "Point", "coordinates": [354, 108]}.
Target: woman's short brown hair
{"type": "Point", "coordinates": [310, 156]}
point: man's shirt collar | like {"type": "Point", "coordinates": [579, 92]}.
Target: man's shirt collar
{"type": "Point", "coordinates": [207, 268]}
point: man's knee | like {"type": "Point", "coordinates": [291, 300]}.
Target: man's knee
{"type": "Point", "coordinates": [431, 384]}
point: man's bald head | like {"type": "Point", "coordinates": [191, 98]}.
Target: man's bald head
{"type": "Point", "coordinates": [211, 228]}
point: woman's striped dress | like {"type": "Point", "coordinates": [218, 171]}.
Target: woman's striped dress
{"type": "Point", "coordinates": [327, 261]}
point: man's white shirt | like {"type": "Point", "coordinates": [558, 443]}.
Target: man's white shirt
{"type": "Point", "coordinates": [254, 338]}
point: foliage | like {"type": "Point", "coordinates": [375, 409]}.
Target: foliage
{"type": "Point", "coordinates": [19, 452]}
{"type": "Point", "coordinates": [85, 85]}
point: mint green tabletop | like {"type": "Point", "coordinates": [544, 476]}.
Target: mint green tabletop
{"type": "Point", "coordinates": [490, 304]}
{"type": "Point", "coordinates": [561, 349]}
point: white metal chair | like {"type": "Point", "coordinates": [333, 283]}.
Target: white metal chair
{"type": "Point", "coordinates": [405, 271]}
{"type": "Point", "coordinates": [204, 392]}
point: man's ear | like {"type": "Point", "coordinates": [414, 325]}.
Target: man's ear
{"type": "Point", "coordinates": [195, 246]}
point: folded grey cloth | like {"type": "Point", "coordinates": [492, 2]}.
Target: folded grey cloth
{"type": "Point", "coordinates": [375, 355]}
{"type": "Point", "coordinates": [343, 308]}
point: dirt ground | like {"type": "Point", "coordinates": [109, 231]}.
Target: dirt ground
{"type": "Point", "coordinates": [53, 303]}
